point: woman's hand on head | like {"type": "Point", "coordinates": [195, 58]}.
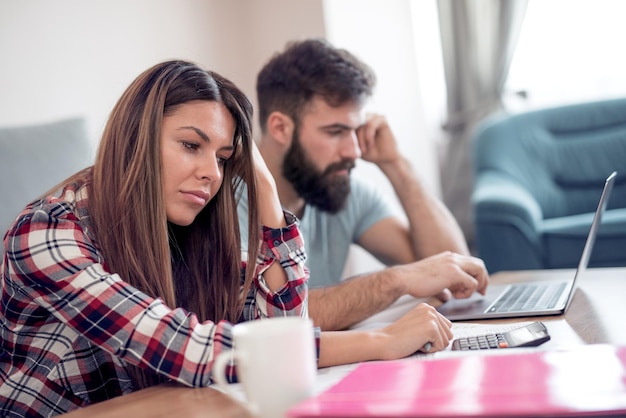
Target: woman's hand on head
{"type": "Point", "coordinates": [262, 172]}
{"type": "Point", "coordinates": [270, 209]}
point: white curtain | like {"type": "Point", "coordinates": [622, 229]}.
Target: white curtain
{"type": "Point", "coordinates": [478, 39]}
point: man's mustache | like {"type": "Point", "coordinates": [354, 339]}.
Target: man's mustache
{"type": "Point", "coordinates": [341, 165]}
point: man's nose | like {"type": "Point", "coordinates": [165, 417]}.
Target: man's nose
{"type": "Point", "coordinates": [350, 148]}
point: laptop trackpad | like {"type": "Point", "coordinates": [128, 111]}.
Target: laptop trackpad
{"type": "Point", "coordinates": [471, 304]}
{"type": "Point", "coordinates": [475, 304]}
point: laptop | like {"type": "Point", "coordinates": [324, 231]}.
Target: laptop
{"type": "Point", "coordinates": [536, 298]}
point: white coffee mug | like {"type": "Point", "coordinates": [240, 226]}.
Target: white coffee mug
{"type": "Point", "coordinates": [276, 363]}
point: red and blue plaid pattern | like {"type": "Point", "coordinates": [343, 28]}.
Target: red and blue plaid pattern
{"type": "Point", "coordinates": [68, 326]}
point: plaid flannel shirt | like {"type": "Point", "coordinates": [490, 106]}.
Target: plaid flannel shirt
{"type": "Point", "coordinates": [68, 326]}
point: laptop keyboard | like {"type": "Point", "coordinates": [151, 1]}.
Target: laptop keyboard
{"type": "Point", "coordinates": [528, 297]}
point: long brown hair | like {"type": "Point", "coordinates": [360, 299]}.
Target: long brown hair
{"type": "Point", "coordinates": [197, 267]}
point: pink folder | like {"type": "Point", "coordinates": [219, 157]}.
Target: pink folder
{"type": "Point", "coordinates": [578, 381]}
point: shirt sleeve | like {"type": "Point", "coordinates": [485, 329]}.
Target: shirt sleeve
{"type": "Point", "coordinates": [286, 247]}
{"type": "Point", "coordinates": [51, 258]}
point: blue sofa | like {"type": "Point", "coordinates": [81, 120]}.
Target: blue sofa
{"type": "Point", "coordinates": [537, 181]}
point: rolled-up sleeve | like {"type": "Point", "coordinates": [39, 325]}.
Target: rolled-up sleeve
{"type": "Point", "coordinates": [286, 247]}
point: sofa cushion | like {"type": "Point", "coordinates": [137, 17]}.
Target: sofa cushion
{"type": "Point", "coordinates": [564, 239]}
{"type": "Point", "coordinates": [561, 155]}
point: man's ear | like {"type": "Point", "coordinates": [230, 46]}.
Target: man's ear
{"type": "Point", "coordinates": [280, 127]}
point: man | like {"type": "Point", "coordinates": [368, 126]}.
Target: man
{"type": "Point", "coordinates": [311, 99]}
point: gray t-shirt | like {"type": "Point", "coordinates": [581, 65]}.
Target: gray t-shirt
{"type": "Point", "coordinates": [327, 237]}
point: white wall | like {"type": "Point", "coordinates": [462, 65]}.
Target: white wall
{"type": "Point", "coordinates": [65, 58]}
{"type": "Point", "coordinates": [71, 57]}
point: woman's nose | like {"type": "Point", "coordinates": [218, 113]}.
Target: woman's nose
{"type": "Point", "coordinates": [210, 169]}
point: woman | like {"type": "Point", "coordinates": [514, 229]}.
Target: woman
{"type": "Point", "coordinates": [130, 273]}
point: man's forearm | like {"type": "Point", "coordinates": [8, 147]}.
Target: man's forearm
{"type": "Point", "coordinates": [339, 307]}
{"type": "Point", "coordinates": [433, 228]}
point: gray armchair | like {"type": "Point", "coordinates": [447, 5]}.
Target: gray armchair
{"type": "Point", "coordinates": [538, 179]}
{"type": "Point", "coordinates": [34, 158]}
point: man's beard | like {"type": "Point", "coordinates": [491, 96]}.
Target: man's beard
{"type": "Point", "coordinates": [324, 190]}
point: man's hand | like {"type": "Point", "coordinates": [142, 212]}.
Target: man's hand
{"type": "Point", "coordinates": [377, 142]}
{"type": "Point", "coordinates": [458, 274]}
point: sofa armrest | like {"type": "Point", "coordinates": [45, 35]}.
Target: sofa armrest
{"type": "Point", "coordinates": [508, 221]}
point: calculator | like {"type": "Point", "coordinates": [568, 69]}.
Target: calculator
{"type": "Point", "coordinates": [527, 336]}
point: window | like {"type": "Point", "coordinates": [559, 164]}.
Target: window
{"type": "Point", "coordinates": [569, 51]}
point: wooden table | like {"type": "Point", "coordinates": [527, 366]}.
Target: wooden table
{"type": "Point", "coordinates": [596, 315]}
{"type": "Point", "coordinates": [167, 400]}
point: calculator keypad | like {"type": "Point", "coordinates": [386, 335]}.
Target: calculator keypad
{"type": "Point", "coordinates": [481, 342]}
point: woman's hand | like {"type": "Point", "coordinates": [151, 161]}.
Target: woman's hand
{"type": "Point", "coordinates": [409, 334]}
{"type": "Point", "coordinates": [270, 210]}
{"type": "Point", "coordinates": [420, 326]}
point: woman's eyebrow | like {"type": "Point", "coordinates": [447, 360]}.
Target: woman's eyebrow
{"type": "Point", "coordinates": [204, 136]}
{"type": "Point", "coordinates": [200, 133]}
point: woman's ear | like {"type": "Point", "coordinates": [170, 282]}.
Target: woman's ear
{"type": "Point", "coordinates": [281, 128]}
